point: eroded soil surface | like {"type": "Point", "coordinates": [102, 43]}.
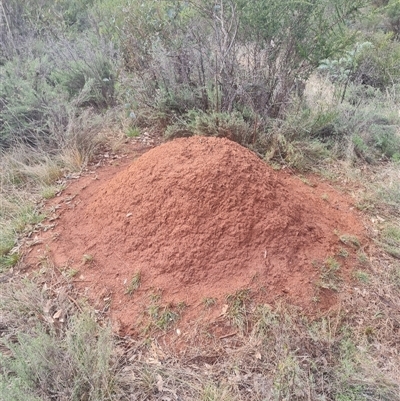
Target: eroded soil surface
{"type": "Point", "coordinates": [199, 219]}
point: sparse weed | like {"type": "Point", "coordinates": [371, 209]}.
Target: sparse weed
{"type": "Point", "coordinates": [181, 306]}
{"type": "Point", "coordinates": [133, 132]}
{"type": "Point", "coordinates": [70, 273]}
{"type": "Point", "coordinates": [265, 320]}
{"type": "Point", "coordinates": [26, 218]}
{"type": "Point", "coordinates": [165, 318]}
{"type": "Point", "coordinates": [71, 362]}
{"type": "Point", "coordinates": [162, 317]}
{"type": "Point", "coordinates": [391, 240]}
{"type": "Point", "coordinates": [213, 392]}
{"type": "Point", "coordinates": [362, 276]}
{"type": "Point", "coordinates": [349, 239]}
{"type": "Point", "coordinates": [134, 284]}
{"type": "Point", "coordinates": [362, 257]}
{"type": "Point", "coordinates": [329, 277]}
{"type": "Point", "coordinates": [238, 307]}
{"type": "Point", "coordinates": [394, 275]}
{"type": "Point", "coordinates": [50, 191]}
{"type": "Point", "coordinates": [7, 240]}
{"type": "Point", "coordinates": [8, 261]}
{"type": "Point", "coordinates": [87, 258]}
{"type": "Point", "coordinates": [343, 253]}
{"type": "Point", "coordinates": [209, 302]}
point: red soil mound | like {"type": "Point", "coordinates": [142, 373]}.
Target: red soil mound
{"type": "Point", "coordinates": [202, 217]}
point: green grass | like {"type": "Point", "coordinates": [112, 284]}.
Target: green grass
{"type": "Point", "coordinates": [7, 240]}
{"type": "Point", "coordinates": [238, 307]}
{"type": "Point", "coordinates": [329, 274]}
{"type": "Point", "coordinates": [50, 191]}
{"type": "Point", "coordinates": [134, 284]}
{"type": "Point", "coordinates": [9, 260]}
{"type": "Point", "coordinates": [87, 258]}
{"type": "Point", "coordinates": [70, 273]}
{"type": "Point", "coordinates": [209, 302]}
{"type": "Point", "coordinates": [390, 239]}
{"type": "Point", "coordinates": [161, 317]}
{"type": "Point", "coordinates": [362, 276]}
{"type": "Point", "coordinates": [349, 239]}
{"type": "Point", "coordinates": [133, 132]}
{"type": "Point", "coordinates": [22, 221]}
{"type": "Point", "coordinates": [343, 253]}
{"type": "Point", "coordinates": [72, 360]}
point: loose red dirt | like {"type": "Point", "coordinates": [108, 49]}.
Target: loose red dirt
{"type": "Point", "coordinates": [199, 218]}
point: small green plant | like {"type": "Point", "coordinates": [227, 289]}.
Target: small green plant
{"type": "Point", "coordinates": [87, 258]}
{"type": "Point", "coordinates": [7, 240]}
{"type": "Point", "coordinates": [155, 297]}
{"type": "Point", "coordinates": [362, 257]}
{"type": "Point", "coordinates": [343, 253]}
{"type": "Point", "coordinates": [209, 302]}
{"type": "Point", "coordinates": [362, 276]}
{"type": "Point", "coordinates": [391, 240]}
{"type": "Point", "coordinates": [329, 277]}
{"type": "Point", "coordinates": [349, 239]}
{"type": "Point", "coordinates": [181, 306]}
{"type": "Point", "coordinates": [76, 365]}
{"type": "Point", "coordinates": [325, 197]}
{"type": "Point", "coordinates": [50, 191]}
{"type": "Point", "coordinates": [8, 261]}
{"type": "Point", "coordinates": [213, 392]}
{"type": "Point", "coordinates": [265, 319]}
{"type": "Point", "coordinates": [70, 273]}
{"type": "Point", "coordinates": [394, 275]}
{"type": "Point", "coordinates": [28, 216]}
{"type": "Point", "coordinates": [307, 181]}
{"type": "Point", "coordinates": [133, 132]}
{"type": "Point", "coordinates": [162, 317]}
{"type": "Point", "coordinates": [134, 284]}
{"type": "Point", "coordinates": [237, 307]}
{"type": "Point", "coordinates": [166, 317]}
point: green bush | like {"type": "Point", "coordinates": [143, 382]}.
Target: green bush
{"type": "Point", "coordinates": [378, 66]}
{"type": "Point", "coordinates": [75, 367]}
{"type": "Point", "coordinates": [44, 89]}
{"type": "Point", "coordinates": [85, 70]}
{"type": "Point", "coordinates": [228, 56]}
{"type": "Point", "coordinates": [30, 107]}
{"type": "Point", "coordinates": [371, 125]}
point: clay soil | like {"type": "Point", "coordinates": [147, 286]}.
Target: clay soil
{"type": "Point", "coordinates": [198, 218]}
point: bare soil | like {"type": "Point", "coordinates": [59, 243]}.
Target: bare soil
{"type": "Point", "coordinates": [199, 218]}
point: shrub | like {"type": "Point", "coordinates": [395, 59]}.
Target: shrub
{"type": "Point", "coordinates": [45, 367]}
{"type": "Point", "coordinates": [378, 67]}
{"type": "Point", "coordinates": [228, 56]}
{"type": "Point", "coordinates": [43, 89]}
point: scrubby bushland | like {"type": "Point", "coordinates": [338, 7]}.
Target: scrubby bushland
{"type": "Point", "coordinates": [50, 83]}
{"type": "Point", "coordinates": [51, 69]}
{"type": "Point", "coordinates": [226, 55]}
